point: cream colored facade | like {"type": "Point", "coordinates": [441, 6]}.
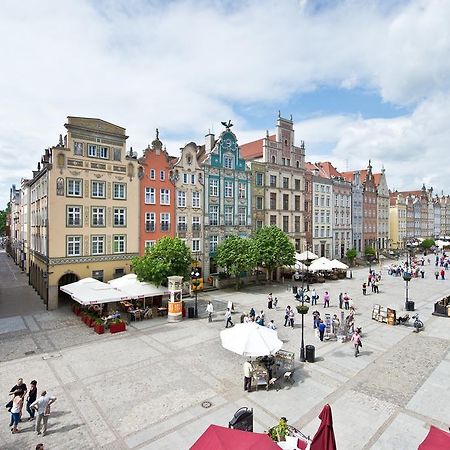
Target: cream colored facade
{"type": "Point", "coordinates": [84, 208]}
{"type": "Point", "coordinates": [397, 223]}
{"type": "Point", "coordinates": [383, 211]}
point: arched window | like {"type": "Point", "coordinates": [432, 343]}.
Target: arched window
{"type": "Point", "coordinates": [273, 160]}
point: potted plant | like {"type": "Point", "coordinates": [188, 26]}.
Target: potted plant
{"type": "Point", "coordinates": [279, 432]}
{"type": "Point", "coordinates": [117, 326]}
{"type": "Point", "coordinates": [302, 309]}
{"type": "Point", "coordinates": [99, 327]}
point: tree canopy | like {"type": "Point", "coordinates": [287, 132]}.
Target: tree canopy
{"type": "Point", "coordinates": [351, 254]}
{"type": "Point", "coordinates": [427, 243]}
{"type": "Point", "coordinates": [3, 216]}
{"type": "Point", "coordinates": [169, 256]}
{"type": "Point", "coordinates": [369, 252]}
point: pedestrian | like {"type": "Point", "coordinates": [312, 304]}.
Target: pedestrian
{"type": "Point", "coordinates": [436, 274]}
{"type": "Point", "coordinates": [364, 289]}
{"type": "Point", "coordinates": [16, 410]}
{"type": "Point", "coordinates": [228, 318]}
{"type": "Point", "coordinates": [286, 315]}
{"type": "Point", "coordinates": [326, 300]}
{"type": "Point", "coordinates": [322, 328]}
{"type": "Point", "coordinates": [422, 273]}
{"type": "Point", "coordinates": [291, 318]}
{"type": "Point", "coordinates": [442, 274]}
{"type": "Point", "coordinates": [314, 297]}
{"type": "Point", "coordinates": [259, 321]}
{"type": "Point", "coordinates": [356, 338]}
{"type": "Point", "coordinates": [20, 387]}
{"type": "Point", "coordinates": [247, 319]}
{"type": "Point", "coordinates": [269, 301]}
{"type": "Point", "coordinates": [341, 299]}
{"type": "Point", "coordinates": [375, 286]}
{"type": "Point", "coordinates": [248, 369]}
{"type": "Point", "coordinates": [209, 310]}
{"type": "Point", "coordinates": [32, 394]}
{"type": "Point", "coordinates": [316, 318]}
{"type": "Point", "coordinates": [346, 301]}
{"type": "Point", "coordinates": [243, 316]}
{"type": "Point", "coordinates": [252, 313]}
{"type": "Point", "coordinates": [271, 325]}
{"type": "Point", "coordinates": [275, 302]}
{"type": "Point", "coordinates": [40, 447]}
{"type": "Point", "coordinates": [336, 323]}
{"type": "Point", "coordinates": [42, 406]}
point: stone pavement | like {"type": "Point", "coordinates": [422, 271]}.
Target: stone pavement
{"type": "Point", "coordinates": [144, 389]}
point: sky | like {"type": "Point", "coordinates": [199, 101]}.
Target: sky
{"type": "Point", "coordinates": [362, 79]}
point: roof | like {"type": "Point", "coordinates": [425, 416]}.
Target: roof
{"type": "Point", "coordinates": [329, 170]}
{"type": "Point", "coordinates": [254, 149]}
{"type": "Point", "coordinates": [362, 176]}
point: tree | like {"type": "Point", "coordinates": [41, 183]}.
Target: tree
{"type": "Point", "coordinates": [169, 256]}
{"type": "Point", "coordinates": [3, 216]}
{"type": "Point", "coordinates": [351, 255]}
{"type": "Point", "coordinates": [369, 252]}
{"type": "Point", "coordinates": [427, 244]}
{"type": "Point", "coordinates": [273, 248]}
{"type": "Point", "coordinates": [236, 255]}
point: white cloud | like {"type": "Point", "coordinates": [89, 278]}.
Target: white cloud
{"type": "Point", "coordinates": [183, 66]}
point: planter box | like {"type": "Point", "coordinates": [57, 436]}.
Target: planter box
{"type": "Point", "coordinates": [117, 327]}
{"type": "Point", "coordinates": [99, 329]}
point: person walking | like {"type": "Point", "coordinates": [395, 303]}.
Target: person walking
{"type": "Point", "coordinates": [322, 328]}
{"type": "Point", "coordinates": [346, 301]}
{"type": "Point", "coordinates": [209, 310]}
{"type": "Point", "coordinates": [20, 387]}
{"type": "Point", "coordinates": [364, 288]}
{"type": "Point", "coordinates": [32, 394]}
{"type": "Point", "coordinates": [271, 325]}
{"type": "Point", "coordinates": [314, 297]}
{"type": "Point", "coordinates": [269, 301]}
{"type": "Point", "coordinates": [326, 300]}
{"type": "Point", "coordinates": [442, 274]}
{"type": "Point", "coordinates": [286, 315]}
{"type": "Point", "coordinates": [252, 314]}
{"type": "Point", "coordinates": [248, 369]}
{"type": "Point", "coordinates": [436, 274]}
{"type": "Point", "coordinates": [228, 318]}
{"type": "Point", "coordinates": [291, 318]}
{"type": "Point", "coordinates": [16, 410]}
{"type": "Point", "coordinates": [262, 317]}
{"type": "Point", "coordinates": [341, 300]}
{"type": "Point", "coordinates": [275, 302]}
{"type": "Point", "coordinates": [356, 338]}
{"type": "Point", "coordinates": [422, 272]}
{"type": "Point", "coordinates": [316, 318]}
{"type": "Point", "coordinates": [42, 406]}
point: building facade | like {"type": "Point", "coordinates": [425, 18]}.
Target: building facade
{"type": "Point", "coordinates": [397, 221]}
{"type": "Point", "coordinates": [383, 210]}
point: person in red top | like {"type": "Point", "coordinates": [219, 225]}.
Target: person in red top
{"type": "Point", "coordinates": [356, 338]}
{"type": "Point", "coordinates": [442, 274]}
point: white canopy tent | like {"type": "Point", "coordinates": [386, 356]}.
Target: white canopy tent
{"type": "Point", "coordinates": [90, 291]}
{"type": "Point", "coordinates": [339, 265]}
{"type": "Point", "coordinates": [305, 256]}
{"type": "Point", "coordinates": [321, 264]}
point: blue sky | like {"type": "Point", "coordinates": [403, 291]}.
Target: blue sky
{"type": "Point", "coordinates": [366, 79]}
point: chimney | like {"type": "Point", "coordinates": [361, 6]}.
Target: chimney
{"type": "Point", "coordinates": [209, 141]}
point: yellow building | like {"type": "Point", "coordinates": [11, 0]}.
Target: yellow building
{"type": "Point", "coordinates": [397, 221]}
{"type": "Point", "coordinates": [84, 201]}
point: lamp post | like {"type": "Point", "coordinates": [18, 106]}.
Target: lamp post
{"type": "Point", "coordinates": [195, 275]}
{"type": "Point", "coordinates": [407, 276]}
{"type": "Point", "coordinates": [301, 297]}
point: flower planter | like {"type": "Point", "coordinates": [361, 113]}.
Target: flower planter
{"type": "Point", "coordinates": [302, 309]}
{"type": "Point", "coordinates": [99, 328]}
{"type": "Point", "coordinates": [117, 327]}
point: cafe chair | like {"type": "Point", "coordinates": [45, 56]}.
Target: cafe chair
{"type": "Point", "coordinates": [148, 313]}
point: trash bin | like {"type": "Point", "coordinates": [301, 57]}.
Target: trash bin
{"type": "Point", "coordinates": [310, 353]}
{"type": "Point", "coordinates": [242, 419]}
{"type": "Point", "coordinates": [294, 289]}
{"type": "Point", "coordinates": [409, 306]}
{"type": "Point", "coordinates": [191, 312]}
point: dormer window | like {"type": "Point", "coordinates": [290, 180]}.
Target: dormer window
{"type": "Point", "coordinates": [228, 162]}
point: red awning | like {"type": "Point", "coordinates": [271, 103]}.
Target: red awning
{"type": "Point", "coordinates": [324, 437]}
{"type": "Point", "coordinates": [436, 439]}
{"type": "Point", "coordinates": [221, 438]}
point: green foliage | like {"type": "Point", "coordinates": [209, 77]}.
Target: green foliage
{"type": "Point", "coordinates": [427, 243]}
{"type": "Point", "coordinates": [351, 253]}
{"type": "Point", "coordinates": [279, 432]}
{"type": "Point", "coordinates": [237, 255]}
{"type": "Point", "coordinates": [169, 256]}
{"type": "Point", "coordinates": [302, 309]}
{"type": "Point", "coordinates": [3, 215]}
{"type": "Point", "coordinates": [369, 251]}
{"type": "Point", "coordinates": [273, 248]}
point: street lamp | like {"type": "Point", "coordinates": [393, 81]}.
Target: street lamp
{"type": "Point", "coordinates": [303, 310]}
{"type": "Point", "coordinates": [407, 277]}
{"type": "Point", "coordinates": [195, 275]}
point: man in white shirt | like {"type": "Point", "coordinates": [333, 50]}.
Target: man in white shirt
{"type": "Point", "coordinates": [247, 376]}
{"type": "Point", "coordinates": [209, 310]}
{"type": "Point", "coordinates": [42, 406]}
{"type": "Point", "coordinates": [271, 325]}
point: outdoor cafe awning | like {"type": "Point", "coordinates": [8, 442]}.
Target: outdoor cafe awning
{"type": "Point", "coordinates": [133, 288]}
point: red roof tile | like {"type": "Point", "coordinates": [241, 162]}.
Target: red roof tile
{"type": "Point", "coordinates": [254, 149]}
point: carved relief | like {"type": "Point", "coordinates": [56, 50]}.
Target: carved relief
{"type": "Point", "coordinates": [60, 186]}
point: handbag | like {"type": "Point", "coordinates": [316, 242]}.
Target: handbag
{"type": "Point", "coordinates": [360, 344]}
{"type": "Point", "coordinates": [8, 406]}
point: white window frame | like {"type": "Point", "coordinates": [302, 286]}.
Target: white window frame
{"type": "Point", "coordinates": [181, 199]}
{"type": "Point", "coordinates": [228, 162]}
{"type": "Point", "coordinates": [242, 190]}
{"type": "Point", "coordinates": [100, 214]}
{"type": "Point", "coordinates": [72, 184]}
{"type": "Point", "coordinates": [213, 187]}
{"type": "Point", "coordinates": [120, 217]}
{"type": "Point", "coordinates": [196, 199]}
{"type": "Point", "coordinates": [97, 241]}
{"type": "Point", "coordinates": [119, 243]}
{"type": "Point", "coordinates": [214, 215]}
{"type": "Point", "coordinates": [92, 150]}
{"type": "Point", "coordinates": [103, 152]}
{"type": "Point", "coordinates": [228, 215]}
{"type": "Point", "coordinates": [74, 212]}
{"type": "Point", "coordinates": [162, 175]}
{"type": "Point", "coordinates": [164, 221]}
{"type": "Point", "coordinates": [164, 197]}
{"type": "Point", "coordinates": [213, 243]}
{"type": "Point", "coordinates": [228, 188]}
{"type": "Point", "coordinates": [119, 191]}
{"type": "Point", "coordinates": [242, 215]}
{"type": "Point", "coordinates": [195, 245]}
{"type": "Point", "coordinates": [150, 196]}
{"type": "Point", "coordinates": [152, 174]}
{"type": "Point", "coordinates": [95, 191]}
{"type": "Point", "coordinates": [150, 219]}
{"type": "Point", "coordinates": [72, 242]}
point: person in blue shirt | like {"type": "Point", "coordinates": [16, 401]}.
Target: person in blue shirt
{"type": "Point", "coordinates": [322, 328]}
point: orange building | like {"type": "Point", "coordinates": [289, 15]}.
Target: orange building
{"type": "Point", "coordinates": [157, 195]}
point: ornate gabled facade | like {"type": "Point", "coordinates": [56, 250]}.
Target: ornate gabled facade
{"type": "Point", "coordinates": [283, 181]}
{"type": "Point", "coordinates": [437, 217]}
{"type": "Point", "coordinates": [382, 210]}
{"type": "Point", "coordinates": [227, 194]}
{"type": "Point", "coordinates": [397, 221]}
{"type": "Point", "coordinates": [369, 209]}
{"type": "Point", "coordinates": [188, 179]}
{"type": "Point", "coordinates": [357, 208]}
{"type": "Point", "coordinates": [157, 195]}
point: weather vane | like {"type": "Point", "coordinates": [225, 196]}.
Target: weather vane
{"type": "Point", "coordinates": [227, 125]}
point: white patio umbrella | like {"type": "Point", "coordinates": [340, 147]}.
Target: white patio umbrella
{"type": "Point", "coordinates": [321, 264]}
{"type": "Point", "coordinates": [338, 264]}
{"type": "Point", "coordinates": [250, 339]}
{"type": "Point", "coordinates": [305, 256]}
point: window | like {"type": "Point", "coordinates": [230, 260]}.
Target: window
{"type": "Point", "coordinates": [283, 161]}
{"type": "Point", "coordinates": [119, 191]}
{"type": "Point", "coordinates": [242, 215]}
{"type": "Point", "coordinates": [98, 245]}
{"type": "Point", "coordinates": [73, 245]}
{"type": "Point", "coordinates": [297, 203]}
{"type": "Point", "coordinates": [103, 152]}
{"type": "Point", "coordinates": [196, 223]}
{"type": "Point", "coordinates": [273, 200]}
{"type": "Point", "coordinates": [297, 184]}
{"type": "Point", "coordinates": [273, 181]}
{"type": "Point", "coordinates": [119, 244]}
{"type": "Point", "coordinates": [152, 174]}
{"type": "Point", "coordinates": [74, 187]}
{"type": "Point", "coordinates": [98, 189]}
{"type": "Point", "coordinates": [74, 216]}
{"type": "Point", "coordinates": [213, 187]}
{"type": "Point", "coordinates": [185, 178]}
{"type": "Point", "coordinates": [181, 199]}
{"type": "Point", "coordinates": [286, 224]}
{"type": "Point", "coordinates": [285, 202]}
{"type": "Point", "coordinates": [259, 179]}
{"type": "Point", "coordinates": [192, 178]}
{"type": "Point", "coordinates": [259, 203]}
{"type": "Point", "coordinates": [117, 154]}
{"type": "Point", "coordinates": [78, 148]}
{"type": "Point", "coordinates": [98, 217]}
{"type": "Point", "coordinates": [242, 190]}
{"type": "Point", "coordinates": [228, 215]}
{"type": "Point", "coordinates": [214, 215]}
{"type": "Point", "coordinates": [150, 222]}
{"type": "Point", "coordinates": [92, 150]}
{"type": "Point", "coordinates": [195, 245]}
{"type": "Point", "coordinates": [196, 199]}
{"type": "Point", "coordinates": [213, 243]}
{"type": "Point", "coordinates": [273, 220]}
{"type": "Point", "coordinates": [297, 224]}
{"type": "Point", "coordinates": [162, 175]}
{"type": "Point", "coordinates": [328, 201]}
{"type": "Point", "coordinates": [322, 200]}
{"type": "Point", "coordinates": [306, 206]}
{"type": "Point", "coordinates": [165, 221]}
{"type": "Point", "coordinates": [149, 196]}
{"type": "Point", "coordinates": [285, 182]}
{"type": "Point", "coordinates": [164, 197]}
{"type": "Point", "coordinates": [228, 188]}
{"type": "Point", "coordinates": [327, 189]}
{"type": "Point", "coordinates": [149, 244]}
{"type": "Point", "coordinates": [316, 200]}
{"type": "Point", "coordinates": [259, 224]}
{"type": "Point", "coordinates": [120, 217]}
{"type": "Point", "coordinates": [228, 162]}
